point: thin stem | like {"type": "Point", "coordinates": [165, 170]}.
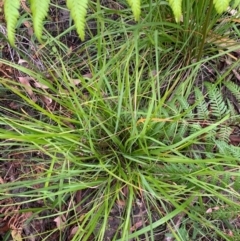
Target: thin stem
{"type": "Point", "coordinates": [205, 30]}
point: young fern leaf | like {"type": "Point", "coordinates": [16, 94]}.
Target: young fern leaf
{"type": "Point", "coordinates": [11, 13]}
{"type": "Point", "coordinates": [217, 104]}
{"type": "Point", "coordinates": [39, 12]}
{"type": "Point", "coordinates": [221, 5]}
{"type": "Point", "coordinates": [136, 8]}
{"type": "Point", "coordinates": [224, 133]}
{"type": "Point", "coordinates": [202, 107]}
{"type": "Point", "coordinates": [78, 10]}
{"type": "Point", "coordinates": [234, 88]}
{"type": "Point", "coordinates": [236, 185]}
{"type": "Point", "coordinates": [176, 6]}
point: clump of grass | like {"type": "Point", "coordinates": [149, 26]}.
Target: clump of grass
{"type": "Point", "coordinates": [120, 132]}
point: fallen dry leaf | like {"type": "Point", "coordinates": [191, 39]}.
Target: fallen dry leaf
{"type": "Point", "coordinates": [39, 85]}
{"type": "Point", "coordinates": [209, 210]}
{"type": "Point", "coordinates": [16, 235]}
{"type": "Point", "coordinates": [46, 100]}
{"type": "Point", "coordinates": [74, 231]}
{"type": "Point", "coordinates": [230, 233]}
{"type": "Point", "coordinates": [136, 225]}
{"type": "Point", "coordinates": [78, 81]}
{"type": "Point", "coordinates": [60, 222]}
{"type": "Point", "coordinates": [22, 61]}
{"type": "Point", "coordinates": [25, 81]}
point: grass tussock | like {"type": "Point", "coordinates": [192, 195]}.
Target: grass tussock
{"type": "Point", "coordinates": [129, 136]}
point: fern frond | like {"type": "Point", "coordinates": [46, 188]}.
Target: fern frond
{"type": "Point", "coordinates": [11, 12]}
{"type": "Point", "coordinates": [225, 179]}
{"type": "Point", "coordinates": [227, 149]}
{"type": "Point", "coordinates": [217, 104]}
{"type": "Point", "coordinates": [233, 113]}
{"type": "Point", "coordinates": [236, 4]}
{"type": "Point", "coordinates": [225, 213]}
{"type": "Point", "coordinates": [181, 132]}
{"type": "Point", "coordinates": [157, 127]}
{"type": "Point", "coordinates": [235, 150]}
{"type": "Point", "coordinates": [236, 185]}
{"type": "Point", "coordinates": [184, 106]}
{"type": "Point", "coordinates": [234, 88]}
{"type": "Point", "coordinates": [177, 169]}
{"type": "Point", "coordinates": [224, 133]}
{"type": "Point", "coordinates": [39, 12]}
{"type": "Point", "coordinates": [136, 8]}
{"type": "Point", "coordinates": [176, 6]}
{"type": "Point", "coordinates": [78, 10]}
{"type": "Point", "coordinates": [223, 147]}
{"type": "Point", "coordinates": [170, 132]}
{"type": "Point", "coordinates": [172, 108]}
{"type": "Point", "coordinates": [183, 102]}
{"type": "Point", "coordinates": [202, 108]}
{"type": "Point", "coordinates": [221, 5]}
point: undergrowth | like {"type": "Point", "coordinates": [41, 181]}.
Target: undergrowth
{"type": "Point", "coordinates": [124, 124]}
{"type": "Point", "coordinates": [78, 10]}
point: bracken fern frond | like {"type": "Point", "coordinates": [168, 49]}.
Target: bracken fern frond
{"type": "Point", "coordinates": [236, 4]}
{"type": "Point", "coordinates": [136, 8]}
{"type": "Point", "coordinates": [236, 185]}
{"type": "Point", "coordinates": [221, 5]}
{"type": "Point", "coordinates": [176, 6]}
{"type": "Point", "coordinates": [11, 15]}
{"type": "Point", "coordinates": [228, 149]}
{"type": "Point", "coordinates": [224, 133]}
{"type": "Point", "coordinates": [202, 108]}
{"type": "Point", "coordinates": [78, 10]}
{"type": "Point", "coordinates": [39, 12]}
{"type": "Point", "coordinates": [218, 106]}
{"type": "Point", "coordinates": [234, 88]}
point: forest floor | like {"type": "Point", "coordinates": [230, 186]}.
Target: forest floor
{"type": "Point", "coordinates": [60, 215]}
